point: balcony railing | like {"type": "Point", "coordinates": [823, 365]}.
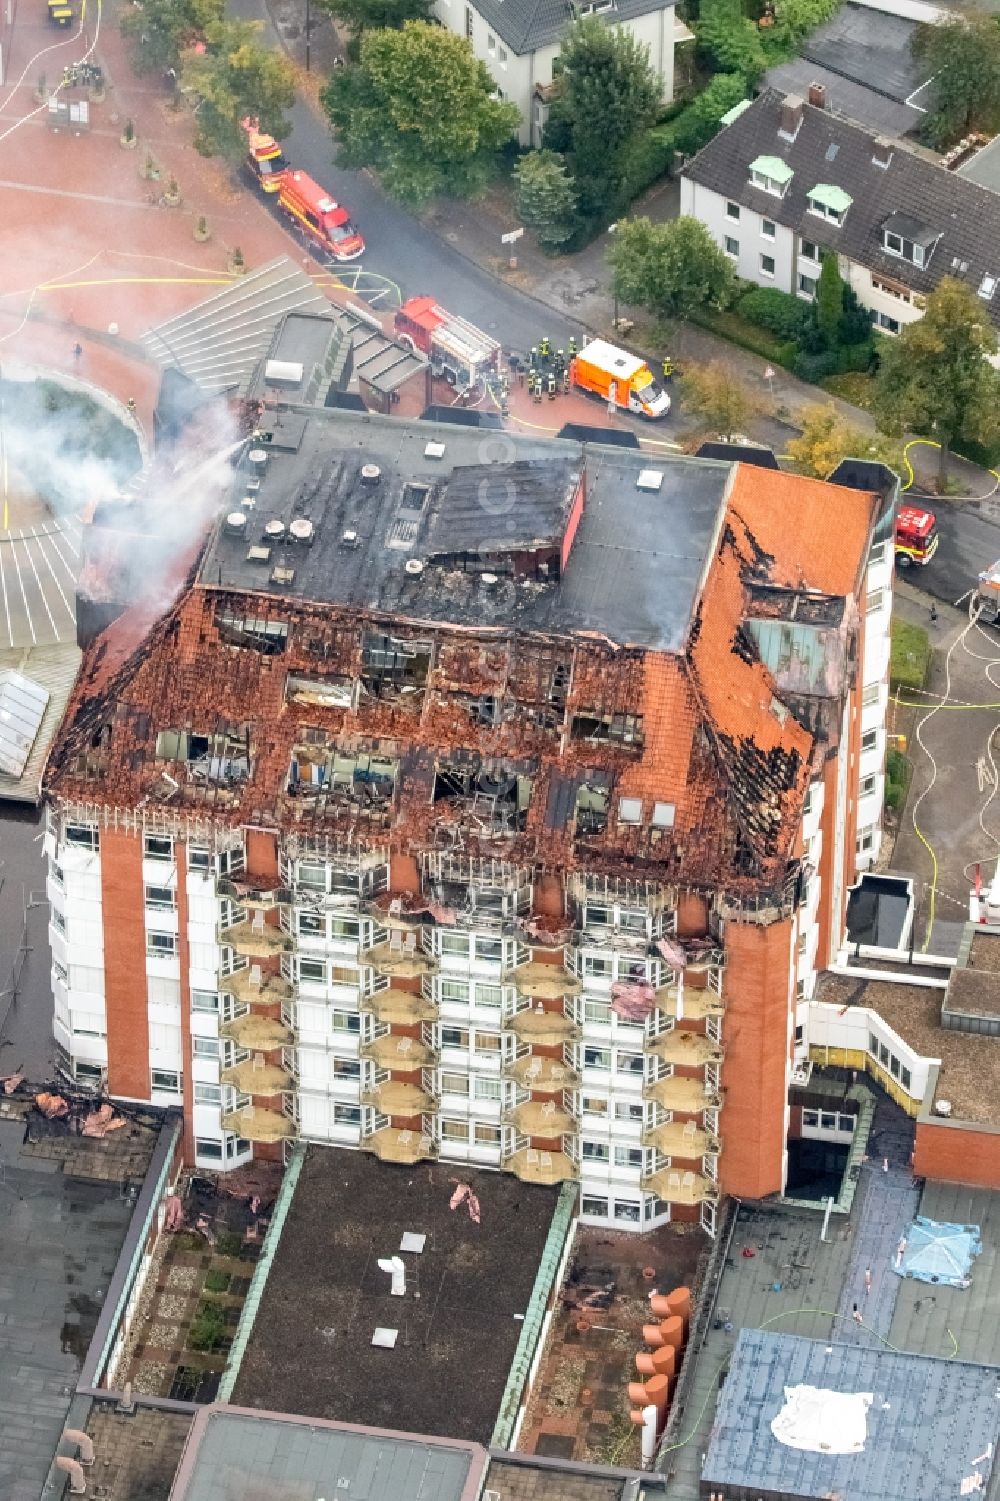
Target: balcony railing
{"type": "Point", "coordinates": [400, 1053]}
{"type": "Point", "coordinates": [540, 1073]}
{"type": "Point", "coordinates": [392, 1097]}
{"type": "Point", "coordinates": [390, 1144]}
{"type": "Point", "coordinates": [255, 938]}
{"type": "Point", "coordinates": [687, 1095]}
{"type": "Point", "coordinates": [256, 1124]}
{"type": "Point", "coordinates": [401, 1006]}
{"type": "Point", "coordinates": [687, 1049]}
{"type": "Point", "coordinates": [676, 1186]}
{"type": "Point", "coordinates": [257, 1077]}
{"type": "Point", "coordinates": [684, 1139]}
{"type": "Point", "coordinates": [546, 1028]}
{"type": "Point", "coordinates": [252, 987]}
{"type": "Point", "coordinates": [258, 1034]}
{"type": "Point", "coordinates": [540, 1118]}
{"type": "Point", "coordinates": [544, 982]}
{"type": "Point", "coordinates": [401, 957]}
{"type": "Point", "coordinates": [534, 1166]}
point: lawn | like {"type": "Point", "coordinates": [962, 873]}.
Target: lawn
{"type": "Point", "coordinates": [909, 656]}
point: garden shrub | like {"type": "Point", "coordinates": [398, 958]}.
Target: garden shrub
{"type": "Point", "coordinates": [778, 312]}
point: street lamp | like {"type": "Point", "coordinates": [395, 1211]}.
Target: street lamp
{"type": "Point", "coordinates": [614, 285]}
{"type": "Point", "coordinates": [308, 33]}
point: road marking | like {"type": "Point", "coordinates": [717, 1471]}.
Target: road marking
{"type": "Point", "coordinates": [24, 597]}
{"type": "Point", "coordinates": [30, 551]}
{"type": "Point", "coordinates": [43, 550]}
{"type": "Point", "coordinates": [55, 536]}
{"type": "Point", "coordinates": [962, 598]}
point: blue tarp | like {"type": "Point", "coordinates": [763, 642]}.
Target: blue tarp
{"type": "Point", "coordinates": [932, 1251]}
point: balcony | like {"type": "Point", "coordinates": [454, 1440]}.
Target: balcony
{"type": "Point", "coordinates": [392, 1097]}
{"type": "Point", "coordinates": [392, 1051]}
{"type": "Point", "coordinates": [252, 988]}
{"type": "Point", "coordinates": [546, 1168]}
{"type": "Point", "coordinates": [394, 1005]}
{"type": "Point", "coordinates": [257, 896]}
{"type": "Point", "coordinates": [255, 938]}
{"type": "Point", "coordinates": [544, 982]}
{"type": "Point", "coordinates": [542, 1118]}
{"type": "Point", "coordinates": [684, 1139]}
{"type": "Point", "coordinates": [401, 957]}
{"type": "Point", "coordinates": [687, 1095]}
{"type": "Point", "coordinates": [255, 1124]}
{"type": "Point", "coordinates": [393, 1145]}
{"type": "Point", "coordinates": [695, 1005]}
{"type": "Point", "coordinates": [540, 1073]}
{"type": "Point", "coordinates": [547, 1028]}
{"type": "Point", "coordinates": [688, 1049]}
{"type": "Point", "coordinates": [676, 1187]}
{"type": "Point", "coordinates": [254, 1076]}
{"type": "Point", "coordinates": [258, 1034]}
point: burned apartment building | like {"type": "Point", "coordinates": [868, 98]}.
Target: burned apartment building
{"type": "Point", "coordinates": [480, 797]}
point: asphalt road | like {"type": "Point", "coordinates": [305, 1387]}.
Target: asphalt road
{"type": "Point", "coordinates": [970, 542]}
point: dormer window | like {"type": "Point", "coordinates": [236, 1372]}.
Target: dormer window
{"type": "Point", "coordinates": [908, 239]}
{"type": "Point", "coordinates": [829, 202]}
{"type": "Point", "coordinates": [771, 175]}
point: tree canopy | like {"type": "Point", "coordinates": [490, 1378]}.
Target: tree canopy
{"type": "Point", "coordinates": [720, 398]}
{"type": "Point", "coordinates": [827, 438]}
{"type": "Point", "coordinates": [934, 376]}
{"type": "Point", "coordinates": [233, 77]}
{"type": "Point", "coordinates": [670, 268]}
{"type": "Point", "coordinates": [419, 108]}
{"type": "Point", "coordinates": [546, 196]}
{"type": "Point", "coordinates": [608, 95]}
{"type": "Point", "coordinates": [962, 55]}
{"type": "Point", "coordinates": [164, 29]}
{"type": "Point", "coordinates": [376, 15]}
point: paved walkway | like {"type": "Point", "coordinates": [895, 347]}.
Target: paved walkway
{"type": "Point", "coordinates": [889, 1204]}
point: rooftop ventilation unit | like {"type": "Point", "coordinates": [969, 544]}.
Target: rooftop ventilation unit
{"type": "Point", "coordinates": [301, 530]}
{"type": "Point", "coordinates": [349, 539]}
{"type": "Point", "coordinates": [434, 451]}
{"type": "Point", "coordinates": [942, 1107]}
{"type": "Point", "coordinates": [257, 459]}
{"type": "Point", "coordinates": [370, 474]}
{"type": "Point", "coordinates": [413, 1240]}
{"type": "Point", "coordinates": [489, 579]}
{"type": "Point", "coordinates": [283, 373]}
{"type": "Point", "coordinates": [396, 1268]}
{"type": "Point", "coordinates": [414, 567]}
{"type": "Point", "coordinates": [236, 523]}
{"type": "Point", "coordinates": [385, 1339]}
{"type": "Point", "coordinates": [649, 479]}
{"type": "Point", "coordinates": [274, 530]}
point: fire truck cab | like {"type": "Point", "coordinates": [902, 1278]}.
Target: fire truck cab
{"type": "Point", "coordinates": [264, 161]}
{"type": "Point", "coordinates": [457, 350]}
{"type": "Point", "coordinates": [916, 536]}
{"type": "Point", "coordinates": [319, 217]}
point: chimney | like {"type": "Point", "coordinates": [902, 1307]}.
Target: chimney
{"type": "Point", "coordinates": [817, 95]}
{"type": "Point", "coordinates": [791, 116]}
{"type": "Point", "coordinates": [881, 153]}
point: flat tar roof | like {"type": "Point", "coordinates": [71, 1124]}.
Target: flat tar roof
{"type": "Point", "coordinates": [458, 1322]}
{"type": "Point", "coordinates": [931, 1423]}
{"type": "Point", "coordinates": [634, 574]}
{"type": "Point", "coordinates": [233, 1451]}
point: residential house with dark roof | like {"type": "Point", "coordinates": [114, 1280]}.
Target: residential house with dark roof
{"type": "Point", "coordinates": [789, 181]}
{"type": "Point", "coordinates": [518, 40]}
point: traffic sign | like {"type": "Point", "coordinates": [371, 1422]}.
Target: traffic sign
{"type": "Point", "coordinates": [508, 239]}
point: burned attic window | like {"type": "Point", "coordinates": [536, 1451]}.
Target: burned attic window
{"type": "Point", "coordinates": [392, 668]}
{"type": "Point", "coordinates": [213, 756]}
{"type": "Point", "coordinates": [323, 693]}
{"type": "Point", "coordinates": [624, 729]}
{"type": "Point", "coordinates": [491, 795]}
{"type": "Point", "coordinates": [330, 777]}
{"type": "Point", "coordinates": [267, 636]}
{"type": "Point", "coordinates": [591, 811]}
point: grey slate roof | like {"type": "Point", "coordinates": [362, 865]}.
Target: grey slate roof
{"type": "Point", "coordinates": [932, 1422]}
{"type": "Point", "coordinates": [526, 25]}
{"type": "Point", "coordinates": [830, 150]}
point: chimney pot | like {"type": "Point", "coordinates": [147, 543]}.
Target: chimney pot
{"type": "Point", "coordinates": [881, 152]}
{"type": "Point", "coordinates": [817, 95]}
{"type": "Point", "coordinates": [791, 115]}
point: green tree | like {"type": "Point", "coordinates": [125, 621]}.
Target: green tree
{"type": "Point", "coordinates": [419, 108]}
{"type": "Point", "coordinates": [376, 15]}
{"type": "Point", "coordinates": [962, 57]}
{"type": "Point", "coordinates": [608, 95]}
{"type": "Point", "coordinates": [164, 29]}
{"type": "Point", "coordinates": [826, 438]}
{"type": "Point", "coordinates": [236, 76]}
{"type": "Point", "coordinates": [699, 121]}
{"type": "Point", "coordinates": [546, 196]}
{"type": "Point", "coordinates": [935, 378]}
{"type": "Point", "coordinates": [728, 42]}
{"type": "Point", "coordinates": [720, 398]}
{"type": "Point", "coordinates": [670, 268]}
{"type": "Point", "coordinates": [829, 301]}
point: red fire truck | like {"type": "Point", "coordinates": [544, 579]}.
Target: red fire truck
{"type": "Point", "coordinates": [916, 536]}
{"type": "Point", "coordinates": [319, 217]}
{"type": "Point", "coordinates": [458, 350]}
{"type": "Point", "coordinates": [264, 161]}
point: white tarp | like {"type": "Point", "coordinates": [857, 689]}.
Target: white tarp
{"type": "Point", "coordinates": [823, 1422]}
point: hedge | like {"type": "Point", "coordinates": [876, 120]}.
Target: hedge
{"type": "Point", "coordinates": [691, 128]}
{"type": "Point", "coordinates": [780, 313]}
{"type": "Point", "coordinates": [909, 655]}
{"type": "Point", "coordinates": [737, 330]}
{"type": "Point", "coordinates": [841, 361]}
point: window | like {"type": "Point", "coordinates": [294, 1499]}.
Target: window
{"type": "Point", "coordinates": [82, 837]}
{"type": "Point", "coordinates": [893, 243]}
{"type": "Point", "coordinates": [626, 1210]}
{"type": "Point", "coordinates": [595, 1104]}
{"type": "Point", "coordinates": [489, 995]}
{"type": "Point", "coordinates": [595, 1206]}
{"type": "Point", "coordinates": [799, 1035]}
{"type": "Point", "coordinates": [800, 990]}
{"type": "Point", "coordinates": [887, 324]}
{"type": "Point", "coordinates": [733, 211]}
{"type": "Point", "coordinates": [824, 211]}
{"type": "Point", "coordinates": [596, 1011]}
{"type": "Point", "coordinates": [311, 924]}
{"type": "Point", "coordinates": [866, 843]}
{"type": "Point", "coordinates": [803, 941]}
{"type": "Point", "coordinates": [487, 1042]}
{"type": "Point", "coordinates": [596, 1151]}
{"type": "Point", "coordinates": [161, 898]}
{"type": "Point", "coordinates": [491, 44]}
{"type": "Point", "coordinates": [468, 23]}
{"type": "Point", "coordinates": [663, 815]}
{"type": "Point", "coordinates": [597, 1057]}
{"type": "Point", "coordinates": [869, 741]}
{"type": "Point", "coordinates": [868, 786]}
{"type": "Point", "coordinates": [809, 250]}
{"type": "Point", "coordinates": [628, 1156]}
{"type": "Point", "coordinates": [598, 966]}
{"type": "Point", "coordinates": [155, 848]}
{"type": "Point", "coordinates": [871, 695]}
{"type": "Point", "coordinates": [891, 289]}
{"type": "Point", "coordinates": [204, 1000]}
{"type": "Point", "coordinates": [485, 1135]}
{"type": "Point", "coordinates": [768, 228]}
{"type": "Point", "coordinates": [205, 1047]}
{"type": "Point", "coordinates": [165, 1081]}
{"type": "Point", "coordinates": [207, 1094]}
{"type": "Point", "coordinates": [58, 920]}
{"type": "Point", "coordinates": [198, 859]}
{"type": "Point", "coordinates": [904, 1077]}
{"type": "Point", "coordinates": [60, 972]}
{"type": "Point", "coordinates": [486, 1089]}
{"type": "Point", "coordinates": [345, 1021]}
{"type": "Point", "coordinates": [161, 945]}
{"type": "Point", "coordinates": [454, 1130]}
{"type": "Point", "coordinates": [628, 1063]}
{"type": "Point", "coordinates": [455, 1083]}
{"type": "Point", "coordinates": [732, 246]}
{"type": "Point", "coordinates": [490, 949]}
{"type": "Point", "coordinates": [347, 1115]}
{"type": "Point", "coordinates": [502, 56]}
{"type": "Point", "coordinates": [453, 990]}
{"type": "Point", "coordinates": [874, 601]}
{"type": "Point", "coordinates": [455, 1037]}
{"type": "Point", "coordinates": [312, 970]}
{"type": "Point", "coordinates": [207, 1146]}
{"type": "Point", "coordinates": [767, 265]}
{"type": "Point", "coordinates": [454, 944]}
{"type": "Point", "coordinates": [807, 285]}
{"type": "Point", "coordinates": [769, 184]}
{"type": "Point", "coordinates": [346, 1068]}
{"type": "Point", "coordinates": [628, 1110]}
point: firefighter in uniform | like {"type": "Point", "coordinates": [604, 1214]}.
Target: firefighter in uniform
{"type": "Point", "coordinates": [131, 406]}
{"type": "Point", "coordinates": [537, 388]}
{"type": "Point", "coordinates": [533, 358]}
{"type": "Point", "coordinates": [560, 362]}
{"type": "Point", "coordinates": [552, 385]}
{"type": "Point", "coordinates": [545, 347]}
{"type": "Point", "coordinates": [668, 370]}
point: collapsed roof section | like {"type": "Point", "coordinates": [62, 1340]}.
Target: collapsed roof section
{"type": "Point", "coordinates": [582, 676]}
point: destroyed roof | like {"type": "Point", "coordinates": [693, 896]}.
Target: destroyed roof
{"type": "Point", "coordinates": [522, 506]}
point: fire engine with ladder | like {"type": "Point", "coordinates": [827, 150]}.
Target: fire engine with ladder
{"type": "Point", "coordinates": [457, 350]}
{"type": "Point", "coordinates": [323, 221]}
